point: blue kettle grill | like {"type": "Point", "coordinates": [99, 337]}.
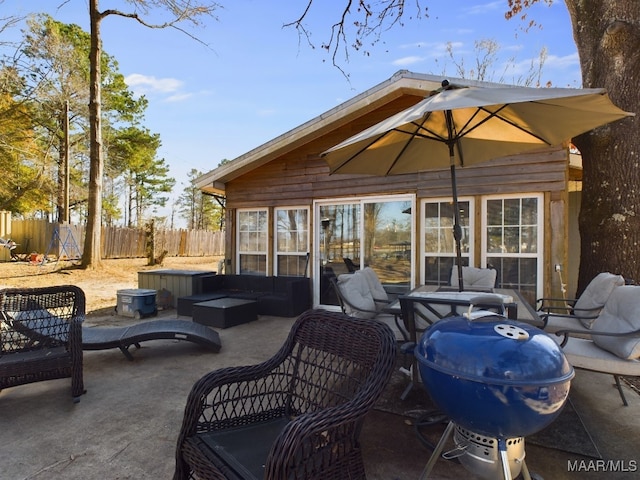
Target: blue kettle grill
{"type": "Point", "coordinates": [497, 380]}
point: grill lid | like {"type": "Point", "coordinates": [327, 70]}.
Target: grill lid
{"type": "Point", "coordinates": [495, 351]}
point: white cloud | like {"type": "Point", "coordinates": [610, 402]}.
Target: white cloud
{"type": "Point", "coordinates": [144, 84]}
{"type": "Point", "coordinates": [479, 9]}
{"type": "Point", "coordinates": [178, 97]}
{"type": "Point", "coordinates": [552, 64]}
{"type": "Point", "coordinates": [566, 61]}
{"type": "Point", "coordinates": [405, 61]}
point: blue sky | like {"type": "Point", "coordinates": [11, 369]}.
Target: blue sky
{"type": "Point", "coordinates": [256, 80]}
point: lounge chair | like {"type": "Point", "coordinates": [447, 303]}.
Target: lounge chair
{"type": "Point", "coordinates": [104, 338]}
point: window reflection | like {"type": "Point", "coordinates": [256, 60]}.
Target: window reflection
{"type": "Point", "coordinates": [252, 241]}
{"type": "Point", "coordinates": [374, 234]}
{"type": "Point", "coordinates": [439, 242]}
{"type": "Point", "coordinates": [292, 241]}
{"type": "Point", "coordinates": [512, 233]}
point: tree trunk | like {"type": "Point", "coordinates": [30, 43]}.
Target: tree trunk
{"type": "Point", "coordinates": [91, 256]}
{"type": "Point", "coordinates": [62, 173]}
{"type": "Point", "coordinates": [607, 35]}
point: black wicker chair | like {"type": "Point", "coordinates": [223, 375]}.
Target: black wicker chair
{"type": "Point", "coordinates": [41, 336]}
{"type": "Point", "coordinates": [296, 416]}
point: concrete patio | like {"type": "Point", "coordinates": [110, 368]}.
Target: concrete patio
{"type": "Point", "coordinates": [126, 425]}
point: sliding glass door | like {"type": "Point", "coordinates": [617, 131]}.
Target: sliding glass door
{"type": "Point", "coordinates": [368, 232]}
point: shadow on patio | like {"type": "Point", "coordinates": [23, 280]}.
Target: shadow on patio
{"type": "Point", "coordinates": [127, 423]}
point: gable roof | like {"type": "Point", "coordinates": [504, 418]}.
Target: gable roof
{"type": "Point", "coordinates": [402, 83]}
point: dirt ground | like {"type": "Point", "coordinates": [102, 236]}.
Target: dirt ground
{"type": "Point", "coordinates": [99, 286]}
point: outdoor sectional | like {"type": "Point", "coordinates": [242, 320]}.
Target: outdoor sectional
{"type": "Point", "coordinates": [282, 296]}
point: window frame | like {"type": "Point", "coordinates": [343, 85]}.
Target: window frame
{"type": "Point", "coordinates": [276, 253]}
{"type": "Point", "coordinates": [240, 253]}
{"type": "Point", "coordinates": [423, 231]}
{"type": "Point", "coordinates": [539, 255]}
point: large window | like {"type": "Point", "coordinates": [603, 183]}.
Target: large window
{"type": "Point", "coordinates": [252, 241]}
{"type": "Point", "coordinates": [367, 232]}
{"type": "Point", "coordinates": [512, 242]}
{"type": "Point", "coordinates": [438, 241]}
{"type": "Point", "coordinates": [292, 241]}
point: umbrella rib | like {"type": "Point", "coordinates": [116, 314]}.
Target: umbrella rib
{"type": "Point", "coordinates": [432, 135]}
{"type": "Point", "coordinates": [368, 145]}
{"type": "Point", "coordinates": [412, 135]}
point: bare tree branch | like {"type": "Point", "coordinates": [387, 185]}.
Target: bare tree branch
{"type": "Point", "coordinates": [181, 10]}
{"type": "Point", "coordinates": [368, 20]}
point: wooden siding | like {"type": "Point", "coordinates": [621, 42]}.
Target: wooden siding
{"type": "Point", "coordinates": [291, 181]}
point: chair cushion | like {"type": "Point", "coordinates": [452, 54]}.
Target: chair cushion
{"type": "Point", "coordinates": [583, 353]}
{"type": "Point", "coordinates": [597, 293]}
{"type": "Point", "coordinates": [355, 290]}
{"type": "Point", "coordinates": [564, 322]}
{"type": "Point", "coordinates": [621, 314]}
{"type": "Point", "coordinates": [474, 277]}
{"type": "Point", "coordinates": [245, 449]}
{"type": "Point", "coordinates": [375, 285]}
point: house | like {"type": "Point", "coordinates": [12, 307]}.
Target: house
{"type": "Point", "coordinates": [286, 215]}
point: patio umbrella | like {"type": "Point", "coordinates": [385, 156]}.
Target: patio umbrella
{"type": "Point", "coordinates": [460, 125]}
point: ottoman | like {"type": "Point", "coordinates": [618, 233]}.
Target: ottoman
{"type": "Point", "coordinates": [225, 312]}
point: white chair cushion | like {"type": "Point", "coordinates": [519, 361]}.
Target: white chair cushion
{"type": "Point", "coordinates": [355, 290]}
{"type": "Point", "coordinates": [583, 353]}
{"type": "Point", "coordinates": [621, 314]}
{"type": "Point", "coordinates": [474, 277]}
{"type": "Point", "coordinates": [375, 285]}
{"type": "Point", "coordinates": [559, 322]}
{"type": "Point", "coordinates": [597, 293]}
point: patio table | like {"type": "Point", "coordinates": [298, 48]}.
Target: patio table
{"type": "Point", "coordinates": [441, 302]}
{"type": "Point", "coordinates": [517, 307]}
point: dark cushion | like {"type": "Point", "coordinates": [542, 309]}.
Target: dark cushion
{"type": "Point", "coordinates": [283, 296]}
{"type": "Point", "coordinates": [245, 449]}
{"type": "Point", "coordinates": [210, 283]}
{"type": "Point", "coordinates": [260, 284]}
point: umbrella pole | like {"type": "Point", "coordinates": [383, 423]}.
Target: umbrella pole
{"type": "Point", "coordinates": [457, 229]}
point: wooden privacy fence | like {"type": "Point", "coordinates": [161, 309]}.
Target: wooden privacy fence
{"type": "Point", "coordinates": [61, 240]}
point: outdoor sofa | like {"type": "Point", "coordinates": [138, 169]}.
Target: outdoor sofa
{"type": "Point", "coordinates": [282, 296]}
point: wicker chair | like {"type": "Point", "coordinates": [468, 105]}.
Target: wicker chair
{"type": "Point", "coordinates": [41, 336]}
{"type": "Point", "coordinates": [296, 416]}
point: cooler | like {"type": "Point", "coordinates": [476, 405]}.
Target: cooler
{"type": "Point", "coordinates": [136, 302]}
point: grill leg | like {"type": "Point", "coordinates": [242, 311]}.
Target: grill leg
{"type": "Point", "coordinates": [437, 451]}
{"type": "Point", "coordinates": [504, 459]}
